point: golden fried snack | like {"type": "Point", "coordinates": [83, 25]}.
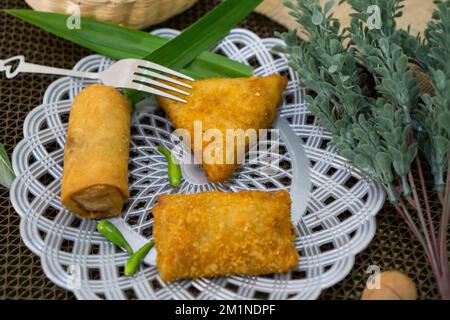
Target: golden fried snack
{"type": "Point", "coordinates": [222, 233]}
{"type": "Point", "coordinates": [239, 103]}
{"type": "Point", "coordinates": [95, 175]}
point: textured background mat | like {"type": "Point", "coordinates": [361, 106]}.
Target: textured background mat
{"type": "Point", "coordinates": [21, 276]}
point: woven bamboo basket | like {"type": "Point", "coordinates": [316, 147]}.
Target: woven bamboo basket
{"type": "Point", "coordinates": [132, 13]}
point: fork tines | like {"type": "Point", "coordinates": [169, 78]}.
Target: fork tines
{"type": "Point", "coordinates": [145, 76]}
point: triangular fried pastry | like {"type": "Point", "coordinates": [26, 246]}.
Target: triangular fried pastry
{"type": "Point", "coordinates": [221, 104]}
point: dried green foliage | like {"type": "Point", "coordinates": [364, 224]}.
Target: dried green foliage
{"type": "Point", "coordinates": [365, 93]}
{"type": "Point", "coordinates": [433, 114]}
{"type": "Point", "coordinates": [372, 130]}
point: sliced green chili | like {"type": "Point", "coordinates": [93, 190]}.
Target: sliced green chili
{"type": "Point", "coordinates": [113, 234]}
{"type": "Point", "coordinates": [134, 261]}
{"type": "Point", "coordinates": [173, 167]}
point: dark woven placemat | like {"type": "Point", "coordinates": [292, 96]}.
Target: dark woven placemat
{"type": "Point", "coordinates": [21, 275]}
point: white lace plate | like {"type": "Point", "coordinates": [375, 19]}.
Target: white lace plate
{"type": "Point", "coordinates": [338, 223]}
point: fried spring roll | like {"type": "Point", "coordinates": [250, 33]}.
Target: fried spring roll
{"type": "Point", "coordinates": [95, 175]}
{"type": "Point", "coordinates": [223, 233]}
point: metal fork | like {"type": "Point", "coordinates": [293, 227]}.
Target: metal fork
{"type": "Point", "coordinates": [127, 73]}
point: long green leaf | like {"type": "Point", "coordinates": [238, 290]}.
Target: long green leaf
{"type": "Point", "coordinates": [203, 34]}
{"type": "Point", "coordinates": [200, 36]}
{"type": "Point", "coordinates": [119, 42]}
{"type": "Point", "coordinates": [6, 171]}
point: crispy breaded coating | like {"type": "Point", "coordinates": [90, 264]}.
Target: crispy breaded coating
{"type": "Point", "coordinates": [95, 175]}
{"type": "Point", "coordinates": [222, 103]}
{"type": "Point", "coordinates": [223, 233]}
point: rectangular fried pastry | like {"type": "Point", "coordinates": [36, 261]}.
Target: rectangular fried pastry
{"type": "Point", "coordinates": [223, 233]}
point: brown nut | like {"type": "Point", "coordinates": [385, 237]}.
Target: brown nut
{"type": "Point", "coordinates": [394, 285]}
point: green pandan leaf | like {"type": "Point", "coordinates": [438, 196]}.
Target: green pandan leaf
{"type": "Point", "coordinates": [6, 171]}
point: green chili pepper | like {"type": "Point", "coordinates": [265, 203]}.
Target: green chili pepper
{"type": "Point", "coordinates": [174, 169]}
{"type": "Point", "coordinates": [113, 234]}
{"type": "Point", "coordinates": [133, 263]}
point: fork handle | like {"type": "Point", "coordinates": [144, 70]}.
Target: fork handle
{"type": "Point", "coordinates": [22, 66]}
{"type": "Point", "coordinates": [35, 68]}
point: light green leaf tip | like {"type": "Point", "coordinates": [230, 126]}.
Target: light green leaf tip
{"type": "Point", "coordinates": [6, 171]}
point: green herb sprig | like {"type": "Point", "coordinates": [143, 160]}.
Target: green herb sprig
{"type": "Point", "coordinates": [364, 91]}
{"type": "Point", "coordinates": [342, 104]}
{"type": "Point", "coordinates": [185, 53]}
{"type": "Point", "coordinates": [135, 260]}
{"type": "Point", "coordinates": [174, 172]}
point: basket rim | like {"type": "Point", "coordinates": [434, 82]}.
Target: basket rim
{"type": "Point", "coordinates": [87, 2]}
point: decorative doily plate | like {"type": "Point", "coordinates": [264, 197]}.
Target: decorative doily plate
{"type": "Point", "coordinates": [338, 222]}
